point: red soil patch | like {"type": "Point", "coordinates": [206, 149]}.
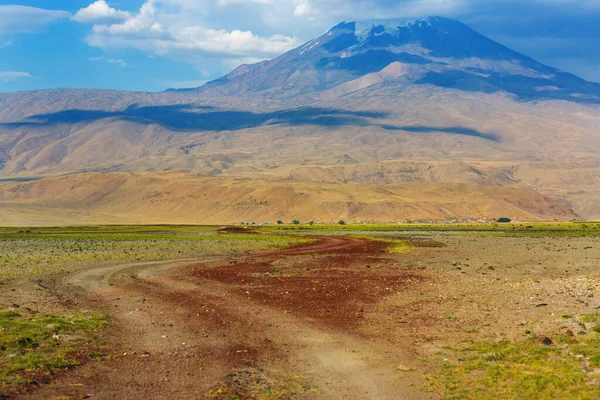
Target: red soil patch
{"type": "Point", "coordinates": [333, 281]}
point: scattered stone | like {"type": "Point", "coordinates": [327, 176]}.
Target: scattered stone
{"type": "Point", "coordinates": [542, 305]}
{"type": "Point", "coordinates": [492, 268]}
{"type": "Point", "coordinates": [547, 341]}
{"type": "Point", "coordinates": [15, 306]}
{"type": "Point", "coordinates": [569, 333]}
{"type": "Point", "coordinates": [404, 368]}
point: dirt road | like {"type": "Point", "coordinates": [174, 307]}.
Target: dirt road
{"type": "Point", "coordinates": [281, 324]}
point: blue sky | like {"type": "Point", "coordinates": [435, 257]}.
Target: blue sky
{"type": "Point", "coordinates": [156, 44]}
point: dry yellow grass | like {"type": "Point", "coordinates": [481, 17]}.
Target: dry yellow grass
{"type": "Point", "coordinates": [180, 198]}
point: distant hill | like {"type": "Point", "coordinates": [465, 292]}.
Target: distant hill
{"type": "Point", "coordinates": [96, 198]}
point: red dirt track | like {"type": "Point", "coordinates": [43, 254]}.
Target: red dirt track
{"type": "Point", "coordinates": [287, 322]}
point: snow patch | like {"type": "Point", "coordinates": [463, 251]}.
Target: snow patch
{"type": "Point", "coordinates": [363, 28]}
{"type": "Point", "coordinates": [309, 46]}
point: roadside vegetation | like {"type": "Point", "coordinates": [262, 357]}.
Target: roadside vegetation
{"type": "Point", "coordinates": [33, 346]}
{"type": "Point", "coordinates": [564, 367]}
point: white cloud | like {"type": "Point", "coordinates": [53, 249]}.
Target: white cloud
{"type": "Point", "coordinates": [303, 7]}
{"type": "Point", "coordinates": [223, 3]}
{"type": "Point", "coordinates": [100, 12]}
{"type": "Point", "coordinates": [116, 61]}
{"type": "Point", "coordinates": [156, 30]}
{"type": "Point", "coordinates": [23, 19]}
{"type": "Point", "coordinates": [11, 76]}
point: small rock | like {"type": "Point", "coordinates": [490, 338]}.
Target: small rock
{"type": "Point", "coordinates": [542, 305]}
{"type": "Point", "coordinates": [15, 306]}
{"type": "Point", "coordinates": [492, 268]}
{"type": "Point", "coordinates": [404, 368]}
{"type": "Point", "coordinates": [569, 333]}
{"type": "Point", "coordinates": [547, 341]}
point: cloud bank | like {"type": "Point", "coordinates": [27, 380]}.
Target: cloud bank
{"type": "Point", "coordinates": [24, 19]}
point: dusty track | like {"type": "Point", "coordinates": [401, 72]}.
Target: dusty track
{"type": "Point", "coordinates": [287, 321]}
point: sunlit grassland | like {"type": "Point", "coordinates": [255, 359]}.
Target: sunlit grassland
{"type": "Point", "coordinates": [509, 229]}
{"type": "Point", "coordinates": [566, 369]}
{"type": "Point", "coordinates": [32, 346]}
{"type": "Point", "coordinates": [29, 252]}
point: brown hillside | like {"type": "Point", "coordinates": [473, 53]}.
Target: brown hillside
{"type": "Point", "coordinates": [93, 198]}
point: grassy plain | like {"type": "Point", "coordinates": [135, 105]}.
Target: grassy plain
{"type": "Point", "coordinates": [575, 229]}
{"type": "Point", "coordinates": [26, 252]}
{"type": "Point", "coordinates": [524, 369]}
{"type": "Point", "coordinates": [514, 273]}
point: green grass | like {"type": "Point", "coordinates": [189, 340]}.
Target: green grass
{"type": "Point", "coordinates": [512, 229]}
{"type": "Point", "coordinates": [522, 370]}
{"type": "Point", "coordinates": [33, 345]}
{"type": "Point", "coordinates": [27, 252]}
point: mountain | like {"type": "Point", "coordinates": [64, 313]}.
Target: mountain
{"type": "Point", "coordinates": [435, 51]}
{"type": "Point", "coordinates": [381, 102]}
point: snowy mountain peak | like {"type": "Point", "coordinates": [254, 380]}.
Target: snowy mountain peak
{"type": "Point", "coordinates": [435, 51]}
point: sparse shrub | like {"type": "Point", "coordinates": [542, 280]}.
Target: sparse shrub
{"type": "Point", "coordinates": [296, 222]}
{"type": "Point", "coordinates": [504, 220]}
{"type": "Point", "coordinates": [280, 222]}
{"type": "Point", "coordinates": [342, 222]}
{"type": "Point", "coordinates": [311, 223]}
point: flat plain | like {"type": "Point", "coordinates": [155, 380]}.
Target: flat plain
{"type": "Point", "coordinates": [299, 311]}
